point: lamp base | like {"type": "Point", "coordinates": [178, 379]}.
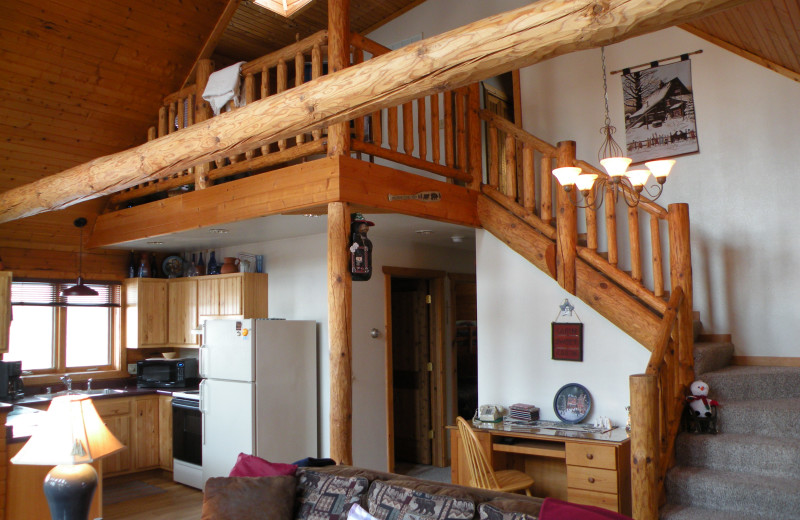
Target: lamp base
{"type": "Point", "coordinates": [69, 490]}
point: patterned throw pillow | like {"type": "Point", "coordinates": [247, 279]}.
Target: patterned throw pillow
{"type": "Point", "coordinates": [327, 497]}
{"type": "Point", "coordinates": [388, 502]}
{"type": "Point", "coordinates": [487, 512]}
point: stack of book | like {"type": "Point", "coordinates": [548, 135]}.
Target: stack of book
{"type": "Point", "coordinates": [523, 412]}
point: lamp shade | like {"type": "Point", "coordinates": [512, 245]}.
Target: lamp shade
{"type": "Point", "coordinates": [616, 166]}
{"type": "Point", "coordinates": [567, 175]}
{"type": "Point", "coordinates": [585, 181]}
{"type": "Point", "coordinates": [660, 168]}
{"type": "Point", "coordinates": [638, 177]}
{"type": "Point", "coordinates": [70, 433]}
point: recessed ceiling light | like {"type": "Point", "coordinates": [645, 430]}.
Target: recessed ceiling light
{"type": "Point", "coordinates": [311, 215]}
{"type": "Point", "coordinates": [155, 242]}
{"type": "Point", "coordinates": [220, 231]}
{"type": "Point", "coordinates": [424, 232]}
{"type": "Point", "coordinates": [457, 238]}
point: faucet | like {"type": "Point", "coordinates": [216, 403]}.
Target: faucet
{"type": "Point", "coordinates": [88, 384]}
{"type": "Point", "coordinates": [67, 380]}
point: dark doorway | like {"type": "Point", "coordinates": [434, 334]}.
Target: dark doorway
{"type": "Point", "coordinates": [463, 298]}
{"type": "Point", "coordinates": [411, 375]}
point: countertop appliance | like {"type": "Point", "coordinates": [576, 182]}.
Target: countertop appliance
{"type": "Point", "coordinates": [166, 373]}
{"type": "Point", "coordinates": [259, 395]}
{"type": "Point", "coordinates": [11, 386]}
{"type": "Point", "coordinates": [187, 442]}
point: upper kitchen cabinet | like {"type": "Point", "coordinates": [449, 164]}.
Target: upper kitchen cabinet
{"type": "Point", "coordinates": [5, 309]}
{"type": "Point", "coordinates": [182, 315]}
{"type": "Point", "coordinates": [236, 295]}
{"type": "Point", "coordinates": [145, 312]}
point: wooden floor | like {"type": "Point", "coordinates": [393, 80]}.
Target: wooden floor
{"type": "Point", "coordinates": [179, 502]}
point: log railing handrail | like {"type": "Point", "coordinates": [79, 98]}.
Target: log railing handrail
{"type": "Point", "coordinates": [286, 54]}
{"type": "Point", "coordinates": [521, 135]}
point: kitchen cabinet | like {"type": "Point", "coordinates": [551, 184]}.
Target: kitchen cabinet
{"type": "Point", "coordinates": [165, 432]}
{"type": "Point", "coordinates": [135, 421]}
{"type": "Point", "coordinates": [182, 312]}
{"type": "Point", "coordinates": [235, 295]}
{"type": "Point", "coordinates": [145, 312]}
{"type": "Point", "coordinates": [5, 309]}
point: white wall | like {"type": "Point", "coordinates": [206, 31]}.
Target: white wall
{"type": "Point", "coordinates": [743, 252]}
{"type": "Point", "coordinates": [516, 305]}
{"type": "Point", "coordinates": [298, 286]}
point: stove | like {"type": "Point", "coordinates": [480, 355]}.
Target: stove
{"type": "Point", "coordinates": [187, 438]}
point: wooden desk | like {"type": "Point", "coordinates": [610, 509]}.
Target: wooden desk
{"type": "Point", "coordinates": [583, 468]}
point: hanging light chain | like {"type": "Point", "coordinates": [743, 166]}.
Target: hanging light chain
{"type": "Point", "coordinates": [605, 84]}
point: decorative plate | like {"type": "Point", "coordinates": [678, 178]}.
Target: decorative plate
{"type": "Point", "coordinates": [172, 266]}
{"type": "Point", "coordinates": [572, 403]}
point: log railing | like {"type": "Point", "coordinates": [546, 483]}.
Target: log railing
{"type": "Point", "coordinates": [265, 76]}
{"type": "Point", "coordinates": [519, 177]}
{"type": "Point", "coordinates": [432, 133]}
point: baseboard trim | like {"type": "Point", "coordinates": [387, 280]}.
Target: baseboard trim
{"type": "Point", "coordinates": [766, 361]}
{"type": "Point", "coordinates": [715, 338]}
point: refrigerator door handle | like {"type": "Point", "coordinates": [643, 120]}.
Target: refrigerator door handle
{"type": "Point", "coordinates": [203, 412]}
{"type": "Point", "coordinates": [202, 357]}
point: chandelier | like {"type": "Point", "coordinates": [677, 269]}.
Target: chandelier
{"type": "Point", "coordinates": [632, 183]}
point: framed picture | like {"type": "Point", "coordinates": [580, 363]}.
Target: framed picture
{"type": "Point", "coordinates": [659, 112]}
{"type": "Point", "coordinates": [572, 403]}
{"type": "Point", "coordinates": [567, 341]}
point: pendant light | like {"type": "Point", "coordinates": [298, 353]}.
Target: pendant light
{"type": "Point", "coordinates": [79, 289]}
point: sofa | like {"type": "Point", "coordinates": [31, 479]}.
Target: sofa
{"type": "Point", "coordinates": [328, 493]}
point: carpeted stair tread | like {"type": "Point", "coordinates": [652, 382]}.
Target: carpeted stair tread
{"type": "Point", "coordinates": [736, 383]}
{"type": "Point", "coordinates": [711, 355]}
{"type": "Point", "coordinates": [768, 417]}
{"type": "Point", "coordinates": [733, 491]}
{"type": "Point", "coordinates": [755, 454]}
{"type": "Point", "coordinates": [681, 512]}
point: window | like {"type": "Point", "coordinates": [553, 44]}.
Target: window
{"type": "Point", "coordinates": [51, 333]}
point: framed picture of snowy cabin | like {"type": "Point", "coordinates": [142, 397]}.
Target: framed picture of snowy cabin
{"type": "Point", "coordinates": [659, 112]}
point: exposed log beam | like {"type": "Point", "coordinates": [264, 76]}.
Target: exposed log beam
{"type": "Point", "coordinates": [213, 39]}
{"type": "Point", "coordinates": [518, 38]}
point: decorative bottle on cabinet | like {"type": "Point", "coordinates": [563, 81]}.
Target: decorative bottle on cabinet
{"type": "Point", "coordinates": [213, 266]}
{"type": "Point", "coordinates": [153, 267]}
{"type": "Point", "coordinates": [133, 268]}
{"type": "Point", "coordinates": [201, 265]}
{"type": "Point", "coordinates": [191, 268]}
{"type": "Point", "coordinates": [144, 266]}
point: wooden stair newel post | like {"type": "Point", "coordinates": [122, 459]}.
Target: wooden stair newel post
{"type": "Point", "coordinates": [202, 112]}
{"type": "Point", "coordinates": [338, 59]}
{"type": "Point", "coordinates": [566, 224]}
{"type": "Point", "coordinates": [644, 446]}
{"type": "Point", "coordinates": [680, 271]}
{"type": "Point", "coordinates": [340, 325]}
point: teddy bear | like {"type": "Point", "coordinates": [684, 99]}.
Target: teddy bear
{"type": "Point", "coordinates": [701, 411]}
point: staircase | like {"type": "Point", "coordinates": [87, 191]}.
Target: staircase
{"type": "Point", "coordinates": [751, 469]}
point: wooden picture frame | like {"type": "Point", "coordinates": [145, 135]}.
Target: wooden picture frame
{"type": "Point", "coordinates": [567, 341]}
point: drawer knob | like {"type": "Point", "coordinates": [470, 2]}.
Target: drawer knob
{"type": "Point", "coordinates": [591, 480]}
{"type": "Point", "coordinates": [589, 456]}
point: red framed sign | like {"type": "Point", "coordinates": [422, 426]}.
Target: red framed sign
{"type": "Point", "coordinates": [567, 341]}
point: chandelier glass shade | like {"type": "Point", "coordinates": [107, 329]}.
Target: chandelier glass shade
{"type": "Point", "coordinates": [631, 183]}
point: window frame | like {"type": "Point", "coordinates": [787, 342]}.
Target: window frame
{"type": "Point", "coordinates": [59, 306]}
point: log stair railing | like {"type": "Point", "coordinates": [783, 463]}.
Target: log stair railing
{"type": "Point", "coordinates": [519, 180]}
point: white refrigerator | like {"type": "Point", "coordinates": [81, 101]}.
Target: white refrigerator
{"type": "Point", "coordinates": [259, 392]}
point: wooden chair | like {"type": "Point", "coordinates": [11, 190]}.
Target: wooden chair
{"type": "Point", "coordinates": [482, 475]}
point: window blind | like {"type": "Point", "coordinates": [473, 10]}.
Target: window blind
{"type": "Point", "coordinates": [48, 293]}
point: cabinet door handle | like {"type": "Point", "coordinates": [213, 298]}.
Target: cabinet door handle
{"type": "Point", "coordinates": [591, 480]}
{"type": "Point", "coordinates": [589, 456]}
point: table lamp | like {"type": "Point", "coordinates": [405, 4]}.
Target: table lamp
{"type": "Point", "coordinates": [71, 436]}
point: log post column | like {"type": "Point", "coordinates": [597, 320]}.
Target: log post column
{"type": "Point", "coordinates": [202, 112]}
{"type": "Point", "coordinates": [644, 446]}
{"type": "Point", "coordinates": [340, 325]}
{"type": "Point", "coordinates": [680, 271]}
{"type": "Point", "coordinates": [566, 224]}
{"type": "Point", "coordinates": [338, 59]}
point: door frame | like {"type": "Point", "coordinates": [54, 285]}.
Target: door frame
{"type": "Point", "coordinates": [437, 339]}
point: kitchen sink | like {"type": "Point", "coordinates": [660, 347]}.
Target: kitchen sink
{"type": "Point", "coordinates": [98, 391]}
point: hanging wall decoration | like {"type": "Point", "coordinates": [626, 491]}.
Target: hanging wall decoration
{"type": "Point", "coordinates": [360, 248]}
{"type": "Point", "coordinates": [567, 337]}
{"type": "Point", "coordinates": [659, 110]}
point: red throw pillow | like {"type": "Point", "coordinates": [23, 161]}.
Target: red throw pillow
{"type": "Point", "coordinates": [553, 509]}
{"type": "Point", "coordinates": [252, 466]}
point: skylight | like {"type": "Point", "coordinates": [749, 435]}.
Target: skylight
{"type": "Point", "coordinates": [283, 7]}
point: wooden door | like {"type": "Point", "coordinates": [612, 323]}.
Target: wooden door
{"type": "Point", "coordinates": [120, 427]}
{"type": "Point", "coordinates": [146, 435]}
{"type": "Point", "coordinates": [411, 375]}
{"type": "Point", "coordinates": [208, 297]}
{"type": "Point", "coordinates": [230, 295]}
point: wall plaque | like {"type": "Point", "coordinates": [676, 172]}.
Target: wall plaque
{"type": "Point", "coordinates": [568, 341]}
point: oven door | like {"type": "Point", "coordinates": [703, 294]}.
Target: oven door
{"type": "Point", "coordinates": [187, 431]}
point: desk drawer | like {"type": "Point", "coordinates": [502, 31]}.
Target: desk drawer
{"type": "Point", "coordinates": [592, 456]}
{"type": "Point", "coordinates": [592, 498]}
{"type": "Point", "coordinates": [603, 480]}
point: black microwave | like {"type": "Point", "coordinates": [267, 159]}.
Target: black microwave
{"type": "Point", "coordinates": [166, 373]}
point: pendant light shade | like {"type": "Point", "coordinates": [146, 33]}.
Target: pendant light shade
{"type": "Point", "coordinates": [79, 289]}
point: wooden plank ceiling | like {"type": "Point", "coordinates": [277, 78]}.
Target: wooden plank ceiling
{"type": "Point", "coordinates": [81, 79]}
